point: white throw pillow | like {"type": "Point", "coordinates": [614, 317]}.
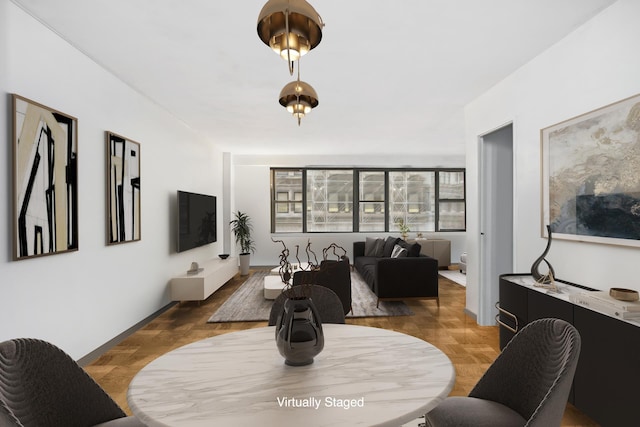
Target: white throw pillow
{"type": "Point", "coordinates": [398, 251]}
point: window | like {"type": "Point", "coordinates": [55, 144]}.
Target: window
{"type": "Point", "coordinates": [287, 201]}
{"type": "Point", "coordinates": [329, 200]}
{"type": "Point", "coordinates": [367, 200]}
{"type": "Point", "coordinates": [451, 201]}
{"type": "Point", "coordinates": [412, 199]}
{"type": "Point", "coordinates": [297, 207]}
{"type": "Point", "coordinates": [371, 186]}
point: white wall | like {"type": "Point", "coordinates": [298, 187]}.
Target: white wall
{"type": "Point", "coordinates": [594, 66]}
{"type": "Point", "coordinates": [252, 195]}
{"type": "Point", "coordinates": [81, 300]}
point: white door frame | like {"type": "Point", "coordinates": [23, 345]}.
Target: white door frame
{"type": "Point", "coordinates": [496, 207]}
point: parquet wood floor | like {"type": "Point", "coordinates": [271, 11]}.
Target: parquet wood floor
{"type": "Point", "coordinates": [470, 347]}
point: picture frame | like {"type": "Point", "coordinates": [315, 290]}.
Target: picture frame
{"type": "Point", "coordinates": [591, 175]}
{"type": "Point", "coordinates": [45, 180]}
{"type": "Point", "coordinates": [124, 217]}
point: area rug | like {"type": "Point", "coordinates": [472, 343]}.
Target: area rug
{"type": "Point", "coordinates": [454, 276]}
{"type": "Point", "coordinates": [248, 304]}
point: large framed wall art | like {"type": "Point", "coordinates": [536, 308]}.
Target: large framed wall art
{"type": "Point", "coordinates": [123, 189]}
{"type": "Point", "coordinates": [45, 180]}
{"type": "Point", "coordinates": [591, 175]}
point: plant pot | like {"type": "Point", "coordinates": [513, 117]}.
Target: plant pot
{"type": "Point", "coordinates": [245, 260]}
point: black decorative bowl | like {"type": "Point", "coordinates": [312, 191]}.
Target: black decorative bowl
{"type": "Point", "coordinates": [224, 256]}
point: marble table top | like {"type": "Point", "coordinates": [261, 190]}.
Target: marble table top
{"type": "Point", "coordinates": [363, 377]}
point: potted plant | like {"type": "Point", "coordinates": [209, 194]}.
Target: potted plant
{"type": "Point", "coordinates": [404, 228]}
{"type": "Point", "coordinates": [241, 227]}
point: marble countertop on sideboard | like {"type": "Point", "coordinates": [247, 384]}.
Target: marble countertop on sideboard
{"type": "Point", "coordinates": [563, 292]}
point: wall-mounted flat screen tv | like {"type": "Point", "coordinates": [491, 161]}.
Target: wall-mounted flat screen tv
{"type": "Point", "coordinates": [196, 220]}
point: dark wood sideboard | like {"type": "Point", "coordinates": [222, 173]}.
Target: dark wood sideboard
{"type": "Point", "coordinates": [606, 385]}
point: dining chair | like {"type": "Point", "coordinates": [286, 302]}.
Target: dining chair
{"type": "Point", "coordinates": [41, 385]}
{"type": "Point", "coordinates": [335, 275]}
{"type": "Point", "coordinates": [527, 385]}
{"type": "Point", "coordinates": [6, 417]}
{"type": "Point", "coordinates": [324, 299]}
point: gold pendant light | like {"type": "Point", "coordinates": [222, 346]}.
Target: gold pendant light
{"type": "Point", "coordinates": [298, 98]}
{"type": "Point", "coordinates": [290, 27]}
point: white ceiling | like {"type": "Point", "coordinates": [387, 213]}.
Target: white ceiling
{"type": "Point", "coordinates": [390, 75]}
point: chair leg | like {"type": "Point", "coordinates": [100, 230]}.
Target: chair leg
{"type": "Point", "coordinates": [378, 303]}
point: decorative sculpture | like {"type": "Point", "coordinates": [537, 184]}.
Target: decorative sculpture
{"type": "Point", "coordinates": [543, 278]}
{"type": "Point", "coordinates": [332, 247]}
{"type": "Point", "coordinates": [312, 264]}
{"type": "Point", "coordinates": [299, 335]}
{"type": "Point", "coordinates": [285, 266]}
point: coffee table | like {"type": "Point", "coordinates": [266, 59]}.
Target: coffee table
{"type": "Point", "coordinates": [294, 267]}
{"type": "Point", "coordinates": [272, 286]}
{"type": "Point", "coordinates": [364, 376]}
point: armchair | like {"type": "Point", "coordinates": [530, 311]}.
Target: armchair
{"type": "Point", "coordinates": [335, 275]}
{"type": "Point", "coordinates": [40, 385]}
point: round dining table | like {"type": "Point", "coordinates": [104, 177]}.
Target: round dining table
{"type": "Point", "coordinates": [364, 376]}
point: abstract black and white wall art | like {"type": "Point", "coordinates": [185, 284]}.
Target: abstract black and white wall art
{"type": "Point", "coordinates": [123, 192]}
{"type": "Point", "coordinates": [45, 180]}
{"type": "Point", "coordinates": [591, 175]}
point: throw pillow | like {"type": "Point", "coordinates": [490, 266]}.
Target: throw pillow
{"type": "Point", "coordinates": [398, 251]}
{"type": "Point", "coordinates": [389, 244]}
{"type": "Point", "coordinates": [373, 247]}
{"type": "Point", "coordinates": [380, 247]}
{"type": "Point", "coordinates": [370, 246]}
{"type": "Point", "coordinates": [413, 249]}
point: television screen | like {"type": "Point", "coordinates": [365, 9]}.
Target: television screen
{"type": "Point", "coordinates": [196, 220]}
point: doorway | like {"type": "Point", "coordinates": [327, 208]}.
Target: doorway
{"type": "Point", "coordinates": [496, 217]}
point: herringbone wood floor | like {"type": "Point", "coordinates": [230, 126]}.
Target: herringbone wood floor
{"type": "Point", "coordinates": [470, 347]}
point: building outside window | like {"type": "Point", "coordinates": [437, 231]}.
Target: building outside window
{"type": "Point", "coordinates": [371, 213]}
{"type": "Point", "coordinates": [367, 200]}
{"type": "Point", "coordinates": [286, 211]}
{"type": "Point", "coordinates": [451, 198]}
{"type": "Point", "coordinates": [329, 200]}
{"type": "Point", "coordinates": [412, 196]}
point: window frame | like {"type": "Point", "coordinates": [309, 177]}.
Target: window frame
{"type": "Point", "coordinates": [388, 224]}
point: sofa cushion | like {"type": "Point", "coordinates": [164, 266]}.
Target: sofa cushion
{"type": "Point", "coordinates": [361, 262]}
{"type": "Point", "coordinates": [398, 252]}
{"type": "Point", "coordinates": [413, 249]}
{"type": "Point", "coordinates": [389, 243]}
{"type": "Point", "coordinates": [373, 247]}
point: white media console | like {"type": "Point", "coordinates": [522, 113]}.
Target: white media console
{"type": "Point", "coordinates": [198, 287]}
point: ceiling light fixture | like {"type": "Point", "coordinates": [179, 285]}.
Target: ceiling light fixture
{"type": "Point", "coordinates": [298, 98]}
{"type": "Point", "coordinates": [290, 27]}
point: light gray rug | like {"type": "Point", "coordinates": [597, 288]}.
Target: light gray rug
{"type": "Point", "coordinates": [454, 276]}
{"type": "Point", "coordinates": [248, 304]}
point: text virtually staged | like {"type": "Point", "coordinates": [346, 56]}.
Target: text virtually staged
{"type": "Point", "coordinates": [315, 403]}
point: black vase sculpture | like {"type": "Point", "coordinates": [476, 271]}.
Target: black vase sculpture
{"type": "Point", "coordinates": [299, 334]}
{"type": "Point", "coordinates": [543, 278]}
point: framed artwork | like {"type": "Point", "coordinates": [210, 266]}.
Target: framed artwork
{"type": "Point", "coordinates": [123, 189]}
{"type": "Point", "coordinates": [591, 175]}
{"type": "Point", "coordinates": [45, 180]}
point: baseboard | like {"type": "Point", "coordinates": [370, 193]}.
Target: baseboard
{"type": "Point", "coordinates": [95, 354]}
{"type": "Point", "coordinates": [471, 314]}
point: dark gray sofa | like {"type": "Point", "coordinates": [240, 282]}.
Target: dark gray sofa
{"type": "Point", "coordinates": [412, 276]}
